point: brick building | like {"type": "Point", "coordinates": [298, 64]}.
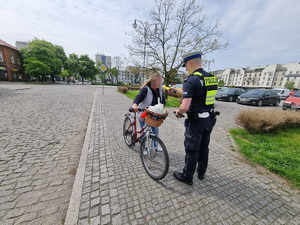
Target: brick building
{"type": "Point", "coordinates": [11, 68]}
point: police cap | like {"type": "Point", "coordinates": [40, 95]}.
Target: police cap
{"type": "Point", "coordinates": [189, 56]}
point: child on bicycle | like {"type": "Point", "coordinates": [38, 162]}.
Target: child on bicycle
{"type": "Point", "coordinates": [150, 91]}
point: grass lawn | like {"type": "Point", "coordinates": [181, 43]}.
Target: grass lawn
{"type": "Point", "coordinates": [278, 151]}
{"type": "Point", "coordinates": [170, 102]}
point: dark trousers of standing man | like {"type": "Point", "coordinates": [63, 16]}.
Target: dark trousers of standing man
{"type": "Point", "coordinates": [197, 137]}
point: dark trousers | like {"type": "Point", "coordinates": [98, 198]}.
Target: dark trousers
{"type": "Point", "coordinates": [197, 138]}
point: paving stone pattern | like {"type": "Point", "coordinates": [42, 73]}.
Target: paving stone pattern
{"type": "Point", "coordinates": [42, 128]}
{"type": "Point", "coordinates": [117, 190]}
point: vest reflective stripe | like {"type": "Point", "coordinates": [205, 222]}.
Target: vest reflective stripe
{"type": "Point", "coordinates": [211, 84]}
{"type": "Point", "coordinates": [210, 97]}
{"type": "Point", "coordinates": [198, 73]}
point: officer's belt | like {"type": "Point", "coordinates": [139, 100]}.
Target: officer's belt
{"type": "Point", "coordinates": [203, 115]}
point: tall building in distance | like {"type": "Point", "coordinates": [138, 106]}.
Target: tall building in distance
{"type": "Point", "coordinates": [103, 59]}
{"type": "Point", "coordinates": [21, 44]}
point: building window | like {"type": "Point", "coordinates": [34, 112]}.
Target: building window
{"type": "Point", "coordinates": [280, 83]}
{"type": "Point", "coordinates": [1, 57]}
{"type": "Point", "coordinates": [274, 83]}
{"type": "Point", "coordinates": [12, 58]}
{"type": "Point", "coordinates": [18, 60]}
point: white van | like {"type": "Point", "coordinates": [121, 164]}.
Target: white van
{"type": "Point", "coordinates": [282, 92]}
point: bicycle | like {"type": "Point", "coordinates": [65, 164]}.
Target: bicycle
{"type": "Point", "coordinates": [153, 152]}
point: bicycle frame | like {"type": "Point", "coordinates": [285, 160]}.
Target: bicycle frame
{"type": "Point", "coordinates": [138, 134]}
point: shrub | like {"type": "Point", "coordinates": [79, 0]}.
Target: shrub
{"type": "Point", "coordinates": [179, 94]}
{"type": "Point", "coordinates": [133, 87]}
{"type": "Point", "coordinates": [261, 120]}
{"type": "Point", "coordinates": [122, 89]}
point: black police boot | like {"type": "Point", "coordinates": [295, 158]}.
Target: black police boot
{"type": "Point", "coordinates": [181, 178]}
{"type": "Point", "coordinates": [200, 176]}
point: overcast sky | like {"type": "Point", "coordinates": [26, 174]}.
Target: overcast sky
{"type": "Point", "coordinates": [260, 32]}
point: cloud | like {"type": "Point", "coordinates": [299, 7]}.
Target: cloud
{"type": "Point", "coordinates": [260, 32]}
{"type": "Point", "coordinates": [82, 27]}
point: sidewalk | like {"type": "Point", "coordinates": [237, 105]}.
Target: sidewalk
{"type": "Point", "coordinates": [111, 186]}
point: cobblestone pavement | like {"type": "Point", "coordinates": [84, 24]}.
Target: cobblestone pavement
{"type": "Point", "coordinates": [42, 128]}
{"type": "Point", "coordinates": [117, 190]}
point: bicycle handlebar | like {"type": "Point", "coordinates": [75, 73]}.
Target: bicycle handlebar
{"type": "Point", "coordinates": [181, 115]}
{"type": "Point", "coordinates": [140, 110]}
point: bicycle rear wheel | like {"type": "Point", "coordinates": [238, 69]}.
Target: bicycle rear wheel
{"type": "Point", "coordinates": [155, 157]}
{"type": "Point", "coordinates": [128, 132]}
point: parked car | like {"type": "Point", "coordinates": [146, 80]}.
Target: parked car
{"type": "Point", "coordinates": [259, 97]}
{"type": "Point", "coordinates": [283, 92]}
{"type": "Point", "coordinates": [220, 89]}
{"type": "Point", "coordinates": [230, 94]}
{"type": "Point", "coordinates": [292, 102]}
{"type": "Point", "coordinates": [177, 87]}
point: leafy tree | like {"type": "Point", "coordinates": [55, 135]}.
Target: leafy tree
{"type": "Point", "coordinates": [221, 83]}
{"type": "Point", "coordinates": [36, 68]}
{"type": "Point", "coordinates": [113, 72]}
{"type": "Point", "coordinates": [176, 27]}
{"type": "Point", "coordinates": [46, 53]}
{"type": "Point", "coordinates": [290, 85]}
{"type": "Point", "coordinates": [86, 68]}
{"type": "Point", "coordinates": [64, 73]}
{"type": "Point", "coordinates": [72, 64]}
{"type": "Point", "coordinates": [60, 54]}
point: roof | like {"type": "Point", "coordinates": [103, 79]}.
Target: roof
{"type": "Point", "coordinates": [8, 45]}
{"type": "Point", "coordinates": [293, 75]}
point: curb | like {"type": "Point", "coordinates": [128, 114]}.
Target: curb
{"type": "Point", "coordinates": [74, 203]}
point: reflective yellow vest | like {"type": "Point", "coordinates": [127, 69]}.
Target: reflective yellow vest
{"type": "Point", "coordinates": [211, 85]}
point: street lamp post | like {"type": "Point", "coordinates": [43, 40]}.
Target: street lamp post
{"type": "Point", "coordinates": [210, 61]}
{"type": "Point", "coordinates": [145, 26]}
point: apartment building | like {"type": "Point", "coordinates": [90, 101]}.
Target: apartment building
{"type": "Point", "coordinates": [269, 76]}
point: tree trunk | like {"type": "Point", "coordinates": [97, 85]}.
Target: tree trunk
{"type": "Point", "coordinates": [166, 93]}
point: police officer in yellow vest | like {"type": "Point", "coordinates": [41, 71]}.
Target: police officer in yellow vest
{"type": "Point", "coordinates": [199, 91]}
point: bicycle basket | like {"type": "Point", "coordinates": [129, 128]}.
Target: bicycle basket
{"type": "Point", "coordinates": [155, 119]}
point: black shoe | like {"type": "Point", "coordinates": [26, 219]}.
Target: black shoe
{"type": "Point", "coordinates": [181, 178]}
{"type": "Point", "coordinates": [200, 176]}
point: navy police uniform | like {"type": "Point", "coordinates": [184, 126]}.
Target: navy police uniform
{"type": "Point", "coordinates": [201, 86]}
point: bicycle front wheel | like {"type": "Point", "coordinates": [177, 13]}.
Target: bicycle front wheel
{"type": "Point", "coordinates": [128, 131]}
{"type": "Point", "coordinates": [154, 157]}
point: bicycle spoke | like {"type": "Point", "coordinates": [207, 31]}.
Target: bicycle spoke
{"type": "Point", "coordinates": [155, 157]}
{"type": "Point", "coordinates": [127, 131]}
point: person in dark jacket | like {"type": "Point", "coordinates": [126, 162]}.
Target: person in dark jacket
{"type": "Point", "coordinates": [199, 92]}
